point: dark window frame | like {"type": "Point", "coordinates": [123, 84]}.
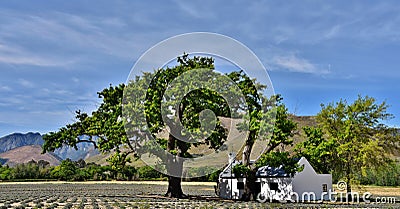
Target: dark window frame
{"type": "Point", "coordinates": [240, 185]}
{"type": "Point", "coordinates": [325, 187]}
{"type": "Point", "coordinates": [274, 186]}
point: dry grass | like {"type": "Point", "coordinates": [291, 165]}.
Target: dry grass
{"type": "Point", "coordinates": [379, 191]}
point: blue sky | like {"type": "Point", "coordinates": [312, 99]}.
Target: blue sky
{"type": "Point", "coordinates": [55, 55]}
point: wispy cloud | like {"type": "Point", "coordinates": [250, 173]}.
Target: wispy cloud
{"type": "Point", "coordinates": [61, 39]}
{"type": "Point", "coordinates": [5, 89]}
{"type": "Point", "coordinates": [53, 57]}
{"type": "Point", "coordinates": [16, 55]}
{"type": "Point", "coordinates": [307, 24]}
{"type": "Point", "coordinates": [25, 83]}
{"type": "Point", "coordinates": [197, 9]}
{"type": "Point", "coordinates": [293, 63]}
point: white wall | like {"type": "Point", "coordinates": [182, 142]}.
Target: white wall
{"type": "Point", "coordinates": [284, 186]}
{"type": "Point", "coordinates": [309, 181]}
{"type": "Point", "coordinates": [228, 188]}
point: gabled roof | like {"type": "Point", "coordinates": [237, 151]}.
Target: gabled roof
{"type": "Point", "coordinates": [227, 172]}
{"type": "Point", "coordinates": [269, 171]}
{"type": "Point", "coordinates": [307, 165]}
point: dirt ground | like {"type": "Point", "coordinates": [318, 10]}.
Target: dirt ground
{"type": "Point", "coordinates": [149, 194]}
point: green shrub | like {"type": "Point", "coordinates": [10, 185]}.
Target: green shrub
{"type": "Point", "coordinates": [240, 170]}
{"type": "Point", "coordinates": [387, 175]}
{"type": "Point", "coordinates": [147, 172]}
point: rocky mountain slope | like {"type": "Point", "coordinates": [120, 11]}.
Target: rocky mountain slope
{"type": "Point", "coordinates": [16, 140]}
{"type": "Point", "coordinates": [27, 153]}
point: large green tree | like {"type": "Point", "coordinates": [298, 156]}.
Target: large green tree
{"type": "Point", "coordinates": [122, 131]}
{"type": "Point", "coordinates": [350, 138]}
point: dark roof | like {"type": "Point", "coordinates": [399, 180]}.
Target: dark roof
{"type": "Point", "coordinates": [269, 171]}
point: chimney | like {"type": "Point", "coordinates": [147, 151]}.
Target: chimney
{"type": "Point", "coordinates": [232, 157]}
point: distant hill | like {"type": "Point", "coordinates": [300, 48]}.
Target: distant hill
{"type": "Point", "coordinates": [85, 150]}
{"type": "Point", "coordinates": [27, 153]}
{"type": "Point", "coordinates": [302, 121]}
{"type": "Point", "coordinates": [16, 140]}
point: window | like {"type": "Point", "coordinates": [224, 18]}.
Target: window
{"type": "Point", "coordinates": [273, 186]}
{"type": "Point", "coordinates": [325, 187]}
{"type": "Point", "coordinates": [240, 185]}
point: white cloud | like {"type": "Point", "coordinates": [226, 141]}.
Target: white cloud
{"type": "Point", "coordinates": [14, 101]}
{"type": "Point", "coordinates": [11, 53]}
{"type": "Point", "coordinates": [332, 32]}
{"type": "Point", "coordinates": [5, 89]}
{"type": "Point", "coordinates": [293, 63]}
{"type": "Point", "coordinates": [60, 39]}
{"type": "Point", "coordinates": [28, 60]}
{"type": "Point", "coordinates": [312, 24]}
{"type": "Point", "coordinates": [28, 118]}
{"type": "Point", "coordinates": [198, 10]}
{"type": "Point", "coordinates": [75, 80]}
{"type": "Point", "coordinates": [65, 38]}
{"type": "Point", "coordinates": [25, 83]}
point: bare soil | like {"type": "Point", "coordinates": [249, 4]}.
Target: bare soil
{"type": "Point", "coordinates": [148, 194]}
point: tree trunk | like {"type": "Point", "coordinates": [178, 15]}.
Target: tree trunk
{"type": "Point", "coordinates": [249, 188]}
{"type": "Point", "coordinates": [175, 168]}
{"type": "Point", "coordinates": [246, 154]}
{"type": "Point", "coordinates": [348, 187]}
{"type": "Point", "coordinates": [348, 192]}
{"type": "Point", "coordinates": [175, 187]}
{"type": "Point", "coordinates": [348, 183]}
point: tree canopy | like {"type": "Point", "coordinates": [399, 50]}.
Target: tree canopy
{"type": "Point", "coordinates": [350, 138]}
{"type": "Point", "coordinates": [186, 101]}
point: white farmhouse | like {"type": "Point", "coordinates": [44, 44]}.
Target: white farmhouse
{"type": "Point", "coordinates": [276, 184]}
{"type": "Point", "coordinates": [306, 185]}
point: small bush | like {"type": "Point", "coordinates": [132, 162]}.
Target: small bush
{"type": "Point", "coordinates": [147, 172]}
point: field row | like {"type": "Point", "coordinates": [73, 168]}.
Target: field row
{"type": "Point", "coordinates": [107, 196]}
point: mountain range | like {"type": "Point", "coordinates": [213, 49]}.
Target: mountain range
{"type": "Point", "coordinates": [85, 151]}
{"type": "Point", "coordinates": [19, 148]}
{"type": "Point", "coordinates": [27, 153]}
{"type": "Point", "coordinates": [18, 140]}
